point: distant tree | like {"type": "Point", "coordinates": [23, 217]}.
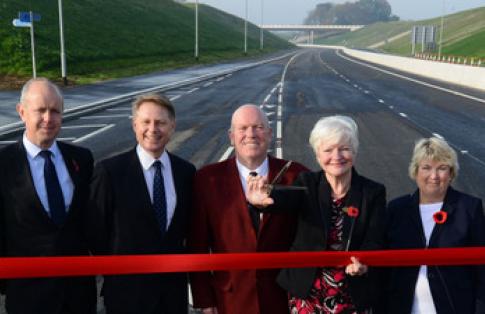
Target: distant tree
{"type": "Point", "coordinates": [360, 12]}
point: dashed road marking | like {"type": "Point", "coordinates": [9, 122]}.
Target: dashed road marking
{"type": "Point", "coordinates": [87, 136]}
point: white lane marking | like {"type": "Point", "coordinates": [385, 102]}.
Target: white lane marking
{"type": "Point", "coordinates": [208, 84]}
{"type": "Point", "coordinates": [175, 97]}
{"type": "Point", "coordinates": [66, 139]}
{"type": "Point", "coordinates": [104, 116]}
{"type": "Point", "coordinates": [220, 79]}
{"type": "Point", "coordinates": [269, 106]}
{"type": "Point", "coordinates": [83, 126]}
{"type": "Point", "coordinates": [414, 80]}
{"type": "Point", "coordinates": [87, 136]}
{"type": "Point", "coordinates": [366, 92]}
{"type": "Point", "coordinates": [391, 107]}
{"type": "Point", "coordinates": [192, 90]}
{"type": "Point", "coordinates": [7, 142]}
{"type": "Point", "coordinates": [279, 125]}
{"type": "Point", "coordinates": [381, 101]}
{"type": "Point", "coordinates": [403, 115]}
{"type": "Point", "coordinates": [273, 90]}
{"type": "Point", "coordinates": [229, 75]}
{"type": "Point", "coordinates": [119, 109]}
{"type": "Point", "coordinates": [464, 152]}
{"type": "Point", "coordinates": [356, 86]}
{"type": "Point", "coordinates": [438, 136]}
{"type": "Point", "coordinates": [279, 132]}
{"type": "Point", "coordinates": [227, 153]}
{"type": "Point", "coordinates": [266, 99]}
{"type": "Point", "coordinates": [269, 113]}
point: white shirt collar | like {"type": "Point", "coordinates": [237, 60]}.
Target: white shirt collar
{"type": "Point", "coordinates": [147, 160]}
{"type": "Point", "coordinates": [262, 170]}
{"type": "Point", "coordinates": [34, 150]}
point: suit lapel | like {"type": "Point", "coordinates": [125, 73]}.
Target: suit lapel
{"type": "Point", "coordinates": [354, 198]}
{"type": "Point", "coordinates": [24, 182]}
{"type": "Point", "coordinates": [235, 196]}
{"type": "Point", "coordinates": [415, 217]}
{"type": "Point", "coordinates": [449, 205]}
{"type": "Point", "coordinates": [140, 188]}
{"type": "Point", "coordinates": [324, 196]}
{"type": "Point", "coordinates": [73, 169]}
{"type": "Point", "coordinates": [273, 170]}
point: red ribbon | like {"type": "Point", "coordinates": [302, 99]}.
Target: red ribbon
{"type": "Point", "coordinates": [27, 267]}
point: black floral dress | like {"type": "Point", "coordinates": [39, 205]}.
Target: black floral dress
{"type": "Point", "coordinates": [329, 293]}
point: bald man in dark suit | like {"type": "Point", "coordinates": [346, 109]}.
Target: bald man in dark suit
{"type": "Point", "coordinates": [44, 189]}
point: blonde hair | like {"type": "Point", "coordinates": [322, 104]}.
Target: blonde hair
{"type": "Point", "coordinates": [157, 99]}
{"type": "Point", "coordinates": [435, 149]}
{"type": "Point", "coordinates": [335, 129]}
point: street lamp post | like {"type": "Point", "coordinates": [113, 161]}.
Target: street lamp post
{"type": "Point", "coordinates": [196, 49]}
{"type": "Point", "coordinates": [246, 30]}
{"type": "Point", "coordinates": [441, 30]}
{"type": "Point", "coordinates": [63, 52]}
{"type": "Point", "coordinates": [261, 33]}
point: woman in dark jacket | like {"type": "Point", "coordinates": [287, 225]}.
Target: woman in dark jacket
{"type": "Point", "coordinates": [435, 216]}
{"type": "Point", "coordinates": [340, 211]}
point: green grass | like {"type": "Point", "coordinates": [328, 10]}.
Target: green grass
{"type": "Point", "coordinates": [115, 38]}
{"type": "Point", "coordinates": [463, 35]}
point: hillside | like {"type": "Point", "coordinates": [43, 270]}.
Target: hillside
{"type": "Point", "coordinates": [112, 38]}
{"type": "Point", "coordinates": [464, 35]}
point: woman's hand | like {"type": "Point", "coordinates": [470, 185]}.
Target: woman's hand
{"type": "Point", "coordinates": [355, 268]}
{"type": "Point", "coordinates": [257, 191]}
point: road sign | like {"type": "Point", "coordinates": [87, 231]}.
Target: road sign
{"type": "Point", "coordinates": [19, 23]}
{"type": "Point", "coordinates": [25, 17]}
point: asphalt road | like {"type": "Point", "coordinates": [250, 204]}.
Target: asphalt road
{"type": "Point", "coordinates": [392, 110]}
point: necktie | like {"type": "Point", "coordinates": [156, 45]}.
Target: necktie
{"type": "Point", "coordinates": [55, 198]}
{"type": "Point", "coordinates": [159, 200]}
{"type": "Point", "coordinates": [255, 219]}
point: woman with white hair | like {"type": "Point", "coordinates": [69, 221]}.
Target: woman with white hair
{"type": "Point", "coordinates": [341, 210]}
{"type": "Point", "coordinates": [435, 216]}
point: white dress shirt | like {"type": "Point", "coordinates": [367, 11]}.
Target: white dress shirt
{"type": "Point", "coordinates": [147, 161]}
{"type": "Point", "coordinates": [36, 163]}
{"type": "Point", "coordinates": [423, 300]}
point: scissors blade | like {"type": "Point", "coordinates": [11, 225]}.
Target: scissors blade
{"type": "Point", "coordinates": [280, 187]}
{"type": "Point", "coordinates": [281, 173]}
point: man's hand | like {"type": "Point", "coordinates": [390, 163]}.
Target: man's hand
{"type": "Point", "coordinates": [257, 191]}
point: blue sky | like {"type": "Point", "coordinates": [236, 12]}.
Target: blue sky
{"type": "Point", "coordinates": [294, 11]}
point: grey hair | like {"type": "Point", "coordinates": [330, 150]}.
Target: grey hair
{"type": "Point", "coordinates": [334, 129]}
{"type": "Point", "coordinates": [26, 87]}
{"type": "Point", "coordinates": [435, 149]}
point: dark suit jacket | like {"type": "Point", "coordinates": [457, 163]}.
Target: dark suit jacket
{"type": "Point", "coordinates": [27, 230]}
{"type": "Point", "coordinates": [123, 222]}
{"type": "Point", "coordinates": [455, 289]}
{"type": "Point", "coordinates": [314, 213]}
{"type": "Point", "coordinates": [221, 223]}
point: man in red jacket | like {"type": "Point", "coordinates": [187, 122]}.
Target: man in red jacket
{"type": "Point", "coordinates": [222, 222]}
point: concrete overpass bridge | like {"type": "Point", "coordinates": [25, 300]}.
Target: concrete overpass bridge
{"type": "Point", "coordinates": [310, 28]}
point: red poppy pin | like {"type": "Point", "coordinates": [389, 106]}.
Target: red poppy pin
{"type": "Point", "coordinates": [351, 211]}
{"type": "Point", "coordinates": [75, 165]}
{"type": "Point", "coordinates": [440, 217]}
